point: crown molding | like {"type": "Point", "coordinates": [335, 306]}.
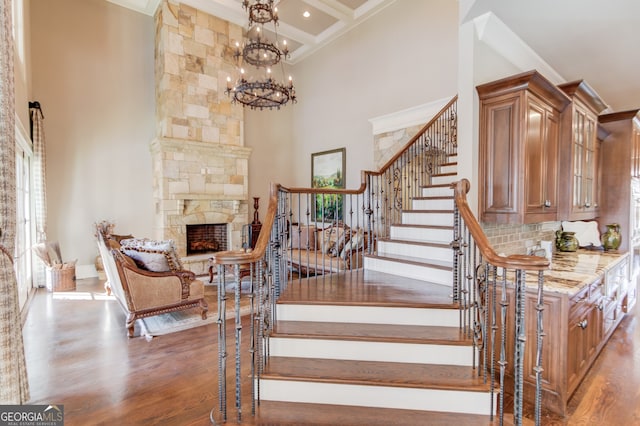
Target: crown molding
{"type": "Point", "coordinates": [413, 116]}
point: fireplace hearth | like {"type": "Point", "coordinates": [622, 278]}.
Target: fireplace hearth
{"type": "Point", "coordinates": [207, 238]}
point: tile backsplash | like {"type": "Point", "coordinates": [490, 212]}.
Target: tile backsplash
{"type": "Point", "coordinates": [515, 238]}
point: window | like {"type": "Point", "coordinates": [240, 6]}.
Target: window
{"type": "Point", "coordinates": [23, 259]}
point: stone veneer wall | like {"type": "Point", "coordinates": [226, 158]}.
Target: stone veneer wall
{"type": "Point", "coordinates": [200, 164]}
{"type": "Point", "coordinates": [193, 60]}
{"type": "Point", "coordinates": [514, 239]}
{"type": "Point", "coordinates": [388, 144]}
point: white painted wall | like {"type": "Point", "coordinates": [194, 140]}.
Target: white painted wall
{"type": "Point", "coordinates": [272, 160]}
{"type": "Point", "coordinates": [21, 62]}
{"type": "Point", "coordinates": [92, 71]}
{"type": "Point", "coordinates": [404, 56]}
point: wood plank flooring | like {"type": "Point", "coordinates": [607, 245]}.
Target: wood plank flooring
{"type": "Point", "coordinates": [78, 355]}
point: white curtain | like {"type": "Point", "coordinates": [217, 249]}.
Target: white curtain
{"type": "Point", "coordinates": [14, 384]}
{"type": "Point", "coordinates": [39, 184]}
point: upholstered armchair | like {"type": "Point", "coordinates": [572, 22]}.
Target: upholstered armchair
{"type": "Point", "coordinates": [143, 293]}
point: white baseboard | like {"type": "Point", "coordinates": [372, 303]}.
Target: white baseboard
{"type": "Point", "coordinates": [86, 271]}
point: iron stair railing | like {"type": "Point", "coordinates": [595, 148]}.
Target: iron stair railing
{"type": "Point", "coordinates": [365, 215]}
{"type": "Point", "coordinates": [482, 275]}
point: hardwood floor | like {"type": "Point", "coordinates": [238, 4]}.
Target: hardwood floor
{"type": "Point", "coordinates": [78, 354]}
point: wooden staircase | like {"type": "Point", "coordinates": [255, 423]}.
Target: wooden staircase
{"type": "Point", "coordinates": [380, 345]}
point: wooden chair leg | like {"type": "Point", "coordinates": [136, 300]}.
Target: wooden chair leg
{"type": "Point", "coordinates": [205, 308]}
{"type": "Point", "coordinates": [130, 324]}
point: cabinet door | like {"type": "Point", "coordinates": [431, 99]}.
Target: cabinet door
{"type": "Point", "coordinates": [499, 151]}
{"type": "Point", "coordinates": [635, 151]}
{"type": "Point", "coordinates": [585, 162]}
{"type": "Point", "coordinates": [584, 335]}
{"type": "Point", "coordinates": [541, 162]}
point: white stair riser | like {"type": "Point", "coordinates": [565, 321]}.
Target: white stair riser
{"type": "Point", "coordinates": [449, 168]}
{"type": "Point", "coordinates": [415, 250]}
{"type": "Point", "coordinates": [376, 396]}
{"type": "Point", "coordinates": [437, 180]}
{"type": "Point", "coordinates": [371, 351]}
{"type": "Point", "coordinates": [437, 191]}
{"type": "Point", "coordinates": [421, 234]}
{"type": "Point", "coordinates": [437, 204]}
{"type": "Point", "coordinates": [368, 315]}
{"type": "Point", "coordinates": [418, 272]}
{"type": "Point", "coordinates": [419, 218]}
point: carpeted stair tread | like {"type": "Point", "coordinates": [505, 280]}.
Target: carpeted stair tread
{"type": "Point", "coordinates": [371, 332]}
{"type": "Point", "coordinates": [375, 373]}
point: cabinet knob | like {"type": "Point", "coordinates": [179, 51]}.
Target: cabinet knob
{"type": "Point", "coordinates": [547, 203]}
{"type": "Point", "coordinates": [587, 205]}
{"type": "Point", "coordinates": [583, 324]}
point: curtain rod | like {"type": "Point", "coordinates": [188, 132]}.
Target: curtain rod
{"type": "Point", "coordinates": [37, 106]}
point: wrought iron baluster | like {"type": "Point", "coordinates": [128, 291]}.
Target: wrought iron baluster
{"type": "Point", "coordinates": [222, 344]}
{"type": "Point", "coordinates": [503, 342]}
{"type": "Point", "coordinates": [520, 339]}
{"type": "Point", "coordinates": [540, 337]}
{"type": "Point", "coordinates": [238, 335]}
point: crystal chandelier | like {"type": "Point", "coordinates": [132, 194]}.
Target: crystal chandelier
{"type": "Point", "coordinates": [261, 90]}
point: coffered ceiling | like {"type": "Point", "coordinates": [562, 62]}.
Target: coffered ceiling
{"type": "Point", "coordinates": [594, 40]}
{"type": "Point", "coordinates": [327, 19]}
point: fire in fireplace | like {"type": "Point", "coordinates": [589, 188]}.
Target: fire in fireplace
{"type": "Point", "coordinates": [206, 238]}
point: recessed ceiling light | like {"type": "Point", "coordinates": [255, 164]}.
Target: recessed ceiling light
{"type": "Point", "coordinates": [306, 14]}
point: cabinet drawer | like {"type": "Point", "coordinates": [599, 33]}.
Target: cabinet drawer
{"type": "Point", "coordinates": [579, 303]}
{"type": "Point", "coordinates": [617, 277]}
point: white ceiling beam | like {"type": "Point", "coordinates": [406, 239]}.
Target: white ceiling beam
{"type": "Point", "coordinates": [294, 33]}
{"type": "Point", "coordinates": [333, 8]}
{"type": "Point", "coordinates": [370, 8]}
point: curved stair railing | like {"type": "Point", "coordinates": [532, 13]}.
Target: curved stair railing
{"type": "Point", "coordinates": [482, 276]}
{"type": "Point", "coordinates": [348, 224]}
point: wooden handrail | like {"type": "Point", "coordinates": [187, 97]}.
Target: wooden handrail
{"type": "Point", "coordinates": [243, 257]}
{"type": "Point", "coordinates": [514, 261]}
{"type": "Point", "coordinates": [389, 163]}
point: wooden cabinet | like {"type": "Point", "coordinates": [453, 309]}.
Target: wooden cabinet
{"type": "Point", "coordinates": [584, 333]}
{"type": "Point", "coordinates": [576, 329]}
{"type": "Point", "coordinates": [620, 167]}
{"type": "Point", "coordinates": [579, 153]}
{"type": "Point", "coordinates": [519, 142]}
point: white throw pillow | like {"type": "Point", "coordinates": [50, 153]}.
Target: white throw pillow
{"type": "Point", "coordinates": [587, 233]}
{"type": "Point", "coordinates": [156, 256]}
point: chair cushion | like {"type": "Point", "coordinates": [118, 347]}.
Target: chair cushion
{"type": "Point", "coordinates": [152, 255]}
{"type": "Point", "coordinates": [356, 242]}
{"type": "Point", "coordinates": [303, 237]}
{"type": "Point", "coordinates": [334, 238]}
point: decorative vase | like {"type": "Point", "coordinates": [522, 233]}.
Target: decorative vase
{"type": "Point", "coordinates": [566, 241]}
{"type": "Point", "coordinates": [611, 239]}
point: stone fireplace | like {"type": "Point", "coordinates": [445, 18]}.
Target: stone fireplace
{"type": "Point", "coordinates": [200, 164]}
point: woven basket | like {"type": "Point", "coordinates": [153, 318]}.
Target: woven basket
{"type": "Point", "coordinates": [61, 279]}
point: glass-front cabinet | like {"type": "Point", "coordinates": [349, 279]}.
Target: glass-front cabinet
{"type": "Point", "coordinates": [580, 153]}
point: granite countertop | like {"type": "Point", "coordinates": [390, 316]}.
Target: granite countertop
{"type": "Point", "coordinates": [572, 271]}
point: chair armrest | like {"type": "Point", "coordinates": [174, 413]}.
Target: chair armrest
{"type": "Point", "coordinates": [184, 277]}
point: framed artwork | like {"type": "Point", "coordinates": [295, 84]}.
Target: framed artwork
{"type": "Point", "coordinates": [327, 171]}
